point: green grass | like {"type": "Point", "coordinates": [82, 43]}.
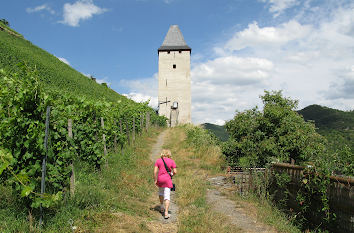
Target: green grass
{"type": "Point", "coordinates": [123, 189]}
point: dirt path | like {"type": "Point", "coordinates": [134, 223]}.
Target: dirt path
{"type": "Point", "coordinates": [161, 224]}
{"type": "Point", "coordinates": [237, 214]}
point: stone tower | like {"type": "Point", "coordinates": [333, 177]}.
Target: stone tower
{"type": "Point", "coordinates": [174, 78]}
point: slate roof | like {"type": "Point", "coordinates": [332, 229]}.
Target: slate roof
{"type": "Point", "coordinates": [174, 40]}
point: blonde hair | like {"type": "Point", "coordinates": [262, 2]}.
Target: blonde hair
{"type": "Point", "coordinates": [165, 153]}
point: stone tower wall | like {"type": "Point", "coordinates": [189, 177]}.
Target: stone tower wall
{"type": "Point", "coordinates": [175, 84]}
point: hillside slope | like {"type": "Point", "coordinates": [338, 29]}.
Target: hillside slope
{"type": "Point", "coordinates": [53, 73]}
{"type": "Point", "coordinates": [328, 118]}
{"type": "Point", "coordinates": [219, 131]}
{"type": "Point", "coordinates": [337, 126]}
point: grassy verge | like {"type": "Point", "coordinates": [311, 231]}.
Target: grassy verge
{"type": "Point", "coordinates": [105, 201]}
{"type": "Point", "coordinates": [193, 167]}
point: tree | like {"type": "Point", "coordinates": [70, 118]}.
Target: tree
{"type": "Point", "coordinates": [4, 21]}
{"type": "Point", "coordinates": [277, 133]}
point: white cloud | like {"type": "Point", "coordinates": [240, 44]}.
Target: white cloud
{"type": "Point", "coordinates": [78, 11]}
{"type": "Point", "coordinates": [142, 90]}
{"type": "Point", "coordinates": [140, 98]}
{"type": "Point", "coordinates": [257, 37]}
{"type": "Point", "coordinates": [147, 86]}
{"type": "Point", "coordinates": [64, 60]}
{"type": "Point", "coordinates": [234, 70]}
{"type": "Point", "coordinates": [40, 8]}
{"type": "Point", "coordinates": [277, 7]}
{"type": "Point", "coordinates": [343, 88]}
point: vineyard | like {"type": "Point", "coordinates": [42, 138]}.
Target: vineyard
{"type": "Point", "coordinates": [80, 130]}
{"type": "Point", "coordinates": [52, 73]}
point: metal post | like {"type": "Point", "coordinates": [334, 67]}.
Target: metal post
{"type": "Point", "coordinates": [44, 163]}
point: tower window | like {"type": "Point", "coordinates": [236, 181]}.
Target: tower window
{"type": "Point", "coordinates": [180, 51]}
{"type": "Point", "coordinates": [168, 52]}
{"type": "Point", "coordinates": [174, 66]}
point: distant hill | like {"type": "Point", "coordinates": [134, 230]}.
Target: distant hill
{"type": "Point", "coordinates": [328, 118]}
{"type": "Point", "coordinates": [53, 73]}
{"type": "Point", "coordinates": [219, 131]}
{"type": "Point", "coordinates": [336, 125]}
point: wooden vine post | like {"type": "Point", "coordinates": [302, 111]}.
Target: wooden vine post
{"type": "Point", "coordinates": [104, 142]}
{"type": "Point", "coordinates": [127, 132]}
{"type": "Point", "coordinates": [115, 137]}
{"type": "Point", "coordinates": [147, 121]}
{"type": "Point", "coordinates": [121, 132]}
{"type": "Point", "coordinates": [141, 123]}
{"type": "Point", "coordinates": [44, 162]}
{"type": "Point", "coordinates": [72, 177]}
{"type": "Point", "coordinates": [133, 131]}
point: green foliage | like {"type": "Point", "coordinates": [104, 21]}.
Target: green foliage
{"type": "Point", "coordinates": [200, 137]}
{"type": "Point", "coordinates": [4, 21]}
{"type": "Point", "coordinates": [277, 133]}
{"type": "Point", "coordinates": [338, 128]}
{"type": "Point", "coordinates": [122, 187]}
{"type": "Point", "coordinates": [313, 199]}
{"type": "Point", "coordinates": [23, 105]}
{"type": "Point", "coordinates": [219, 131]}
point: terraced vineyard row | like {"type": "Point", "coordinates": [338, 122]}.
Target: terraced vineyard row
{"type": "Point", "coordinates": [23, 106]}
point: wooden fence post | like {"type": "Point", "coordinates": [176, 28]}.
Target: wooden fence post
{"type": "Point", "coordinates": [72, 177]}
{"type": "Point", "coordinates": [104, 142]}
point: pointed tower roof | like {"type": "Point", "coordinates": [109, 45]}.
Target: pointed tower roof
{"type": "Point", "coordinates": [174, 40]}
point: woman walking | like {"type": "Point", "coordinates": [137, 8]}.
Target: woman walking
{"type": "Point", "coordinates": [163, 179]}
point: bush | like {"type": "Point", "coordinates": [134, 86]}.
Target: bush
{"type": "Point", "coordinates": [278, 133]}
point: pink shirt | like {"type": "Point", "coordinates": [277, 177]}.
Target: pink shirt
{"type": "Point", "coordinates": [163, 178]}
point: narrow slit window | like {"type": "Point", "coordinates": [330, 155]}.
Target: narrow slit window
{"type": "Point", "coordinates": [166, 82]}
{"type": "Point", "coordinates": [174, 66]}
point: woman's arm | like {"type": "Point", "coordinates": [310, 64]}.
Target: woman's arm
{"type": "Point", "coordinates": [156, 169]}
{"type": "Point", "coordinates": [174, 171]}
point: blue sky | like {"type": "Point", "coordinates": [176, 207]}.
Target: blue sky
{"type": "Point", "coordinates": [239, 47]}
